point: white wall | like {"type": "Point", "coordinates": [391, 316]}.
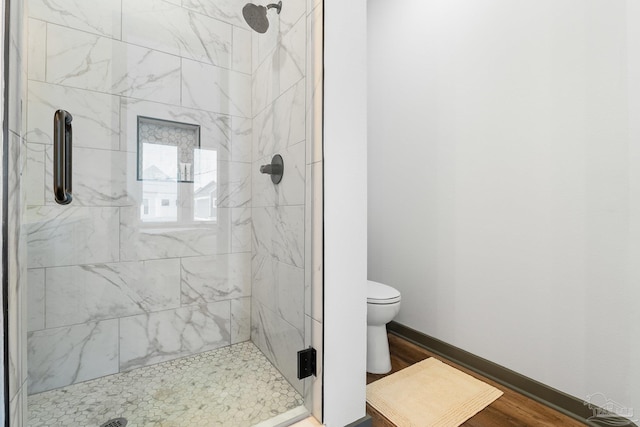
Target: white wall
{"type": "Point", "coordinates": [345, 211]}
{"type": "Point", "coordinates": [504, 192]}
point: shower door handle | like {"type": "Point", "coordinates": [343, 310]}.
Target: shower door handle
{"type": "Point", "coordinates": [62, 165]}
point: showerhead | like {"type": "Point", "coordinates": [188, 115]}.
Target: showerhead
{"type": "Point", "coordinates": [256, 16]}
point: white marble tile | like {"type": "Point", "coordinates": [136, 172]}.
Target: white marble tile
{"type": "Point", "coordinates": [281, 125]}
{"type": "Point", "coordinates": [288, 235]}
{"type": "Point", "coordinates": [267, 43]}
{"type": "Point", "coordinates": [100, 177]}
{"type": "Point", "coordinates": [290, 15]}
{"type": "Point", "coordinates": [240, 320]}
{"type": "Point", "coordinates": [156, 337]}
{"type": "Point", "coordinates": [242, 139]}
{"type": "Point", "coordinates": [17, 408]}
{"type": "Point", "coordinates": [233, 228]}
{"type": "Point", "coordinates": [292, 56]}
{"type": "Point", "coordinates": [86, 61]}
{"type": "Point", "coordinates": [280, 232]}
{"type": "Point", "coordinates": [234, 184]}
{"type": "Point", "coordinates": [215, 278]}
{"type": "Point", "coordinates": [37, 49]}
{"type": "Point", "coordinates": [141, 241]}
{"type": "Point", "coordinates": [290, 289]}
{"type": "Point", "coordinates": [64, 235]}
{"type": "Point", "coordinates": [96, 122]}
{"type": "Point", "coordinates": [255, 52]}
{"type": "Point", "coordinates": [264, 286]}
{"type": "Point", "coordinates": [35, 299]}
{"type": "Point", "coordinates": [109, 291]}
{"type": "Point", "coordinates": [16, 266]}
{"type": "Point", "coordinates": [314, 242]}
{"type": "Point", "coordinates": [63, 356]}
{"type": "Point", "coordinates": [291, 190]}
{"type": "Point", "coordinates": [101, 17]}
{"type": "Point", "coordinates": [280, 287]}
{"type": "Point", "coordinates": [229, 11]}
{"type": "Point", "coordinates": [242, 50]}
{"type": "Point", "coordinates": [278, 340]}
{"type": "Point", "coordinates": [265, 83]}
{"type": "Point", "coordinates": [314, 76]}
{"type": "Point", "coordinates": [17, 71]}
{"type": "Point", "coordinates": [34, 177]}
{"type": "Point", "coordinates": [240, 230]}
{"type": "Point", "coordinates": [216, 130]}
{"type": "Point", "coordinates": [215, 89]}
{"type": "Point", "coordinates": [169, 28]}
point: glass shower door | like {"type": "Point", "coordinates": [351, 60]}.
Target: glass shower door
{"type": "Point", "coordinates": [175, 279]}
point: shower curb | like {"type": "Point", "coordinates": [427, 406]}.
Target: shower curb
{"type": "Point", "coordinates": [548, 396]}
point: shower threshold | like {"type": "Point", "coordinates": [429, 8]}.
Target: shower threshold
{"type": "Point", "coordinates": [235, 386]}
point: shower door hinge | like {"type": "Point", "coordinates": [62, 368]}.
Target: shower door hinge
{"type": "Point", "coordinates": [306, 363]}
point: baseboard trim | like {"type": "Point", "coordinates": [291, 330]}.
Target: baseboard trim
{"type": "Point", "coordinates": [562, 402]}
{"type": "Point", "coordinates": [366, 421]}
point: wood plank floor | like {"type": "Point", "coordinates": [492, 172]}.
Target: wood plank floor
{"type": "Point", "coordinates": [511, 409]}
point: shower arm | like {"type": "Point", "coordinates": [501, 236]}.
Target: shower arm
{"type": "Point", "coordinates": [277, 6]}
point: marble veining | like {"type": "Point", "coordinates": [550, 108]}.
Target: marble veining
{"type": "Point", "coordinates": [85, 61]}
{"type": "Point", "coordinates": [279, 287]}
{"type": "Point", "coordinates": [215, 89]}
{"type": "Point", "coordinates": [234, 187]}
{"type": "Point", "coordinates": [156, 337]}
{"type": "Point", "coordinates": [224, 10]}
{"type": "Point", "coordinates": [63, 356]}
{"type": "Point", "coordinates": [65, 235]}
{"type": "Point", "coordinates": [96, 17]}
{"type": "Point", "coordinates": [162, 26]}
{"type": "Point", "coordinates": [109, 291]}
{"type": "Point", "coordinates": [35, 299]}
{"type": "Point", "coordinates": [33, 179]}
{"type": "Point", "coordinates": [240, 320]}
{"type": "Point", "coordinates": [96, 116]}
{"type": "Point", "coordinates": [241, 50]}
{"type": "Point", "coordinates": [140, 241]}
{"type": "Point", "coordinates": [100, 177]}
{"type": "Point", "coordinates": [278, 340]}
{"type": "Point", "coordinates": [280, 232]}
{"type": "Point", "coordinates": [280, 125]}
{"type": "Point", "coordinates": [290, 191]}
{"type": "Point", "coordinates": [229, 387]}
{"type": "Point", "coordinates": [36, 49]}
{"type": "Point", "coordinates": [292, 55]}
{"type": "Point", "coordinates": [215, 278]}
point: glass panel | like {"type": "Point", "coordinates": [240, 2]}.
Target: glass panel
{"type": "Point", "coordinates": [179, 270]}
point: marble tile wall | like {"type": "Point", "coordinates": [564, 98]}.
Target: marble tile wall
{"type": "Point", "coordinates": [108, 292]}
{"type": "Point", "coordinates": [287, 218]}
{"type": "Point", "coordinates": [16, 199]}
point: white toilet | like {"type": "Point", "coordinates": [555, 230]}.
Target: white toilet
{"type": "Point", "coordinates": [383, 303]}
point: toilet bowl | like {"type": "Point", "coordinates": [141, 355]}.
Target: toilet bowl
{"type": "Point", "coordinates": [383, 304]}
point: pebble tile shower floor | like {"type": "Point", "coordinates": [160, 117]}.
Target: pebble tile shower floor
{"type": "Point", "coordinates": [234, 386]}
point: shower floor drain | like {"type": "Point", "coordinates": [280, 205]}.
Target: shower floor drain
{"type": "Point", "coordinates": [116, 422]}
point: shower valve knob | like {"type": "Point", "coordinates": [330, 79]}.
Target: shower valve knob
{"type": "Point", "coordinates": [275, 169]}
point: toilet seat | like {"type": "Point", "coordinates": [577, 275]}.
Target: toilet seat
{"type": "Point", "coordinates": [378, 293]}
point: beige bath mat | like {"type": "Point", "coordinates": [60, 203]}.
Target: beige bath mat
{"type": "Point", "coordinates": [430, 394]}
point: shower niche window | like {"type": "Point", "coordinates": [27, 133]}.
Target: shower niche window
{"type": "Point", "coordinates": [166, 150]}
{"type": "Point", "coordinates": [179, 178]}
